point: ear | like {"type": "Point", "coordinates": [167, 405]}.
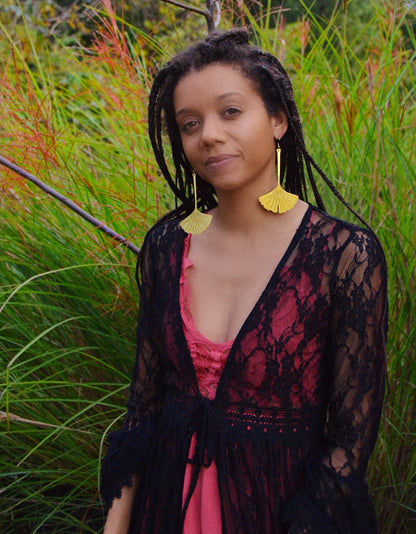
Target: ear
{"type": "Point", "coordinates": [279, 124]}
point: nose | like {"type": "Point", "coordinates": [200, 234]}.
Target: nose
{"type": "Point", "coordinates": [212, 131]}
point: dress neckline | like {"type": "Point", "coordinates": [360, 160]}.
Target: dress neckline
{"type": "Point", "coordinates": [292, 244]}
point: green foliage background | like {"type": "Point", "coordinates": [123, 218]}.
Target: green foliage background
{"type": "Point", "coordinates": [74, 80]}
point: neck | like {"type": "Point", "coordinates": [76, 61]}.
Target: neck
{"type": "Point", "coordinates": [241, 214]}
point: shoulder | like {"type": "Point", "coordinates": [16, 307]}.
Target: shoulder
{"type": "Point", "coordinates": [348, 239]}
{"type": "Point", "coordinates": [162, 237]}
{"type": "Point", "coordinates": [347, 249]}
{"type": "Point", "coordinates": [161, 243]}
{"type": "Point", "coordinates": [356, 252]}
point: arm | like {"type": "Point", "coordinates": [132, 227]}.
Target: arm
{"type": "Point", "coordinates": [124, 465]}
{"type": "Point", "coordinates": [118, 517]}
{"type": "Point", "coordinates": [335, 499]}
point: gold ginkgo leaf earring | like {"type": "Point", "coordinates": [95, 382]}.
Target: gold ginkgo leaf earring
{"type": "Point", "coordinates": [278, 200]}
{"type": "Point", "coordinates": [197, 221]}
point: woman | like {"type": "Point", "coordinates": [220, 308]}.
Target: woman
{"type": "Point", "coordinates": [260, 368]}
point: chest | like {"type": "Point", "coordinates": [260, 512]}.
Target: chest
{"type": "Point", "coordinates": [278, 356]}
{"type": "Point", "coordinates": [226, 287]}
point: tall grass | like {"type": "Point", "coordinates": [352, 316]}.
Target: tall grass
{"type": "Point", "coordinates": [68, 298]}
{"type": "Point", "coordinates": [77, 119]}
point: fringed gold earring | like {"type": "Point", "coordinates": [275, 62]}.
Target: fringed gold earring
{"type": "Point", "coordinates": [278, 200]}
{"type": "Point", "coordinates": [196, 222]}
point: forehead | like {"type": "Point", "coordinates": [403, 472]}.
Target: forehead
{"type": "Point", "coordinates": [211, 83]}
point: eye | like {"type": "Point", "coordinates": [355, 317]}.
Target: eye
{"type": "Point", "coordinates": [232, 111]}
{"type": "Point", "coordinates": [187, 126]}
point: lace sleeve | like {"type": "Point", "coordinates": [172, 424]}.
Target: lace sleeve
{"type": "Point", "coordinates": [129, 447]}
{"type": "Point", "coordinates": [335, 498]}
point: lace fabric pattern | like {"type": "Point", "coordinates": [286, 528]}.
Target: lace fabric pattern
{"type": "Point", "coordinates": [295, 416]}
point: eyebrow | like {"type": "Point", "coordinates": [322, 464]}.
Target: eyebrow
{"type": "Point", "coordinates": [220, 97]}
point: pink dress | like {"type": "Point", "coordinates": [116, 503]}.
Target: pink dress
{"type": "Point", "coordinates": [203, 515]}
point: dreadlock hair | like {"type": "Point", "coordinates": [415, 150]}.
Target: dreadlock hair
{"type": "Point", "coordinates": [271, 81]}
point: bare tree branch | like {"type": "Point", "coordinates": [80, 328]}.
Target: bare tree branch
{"type": "Point", "coordinates": [7, 416]}
{"type": "Point", "coordinates": [74, 207]}
{"type": "Point", "coordinates": [188, 7]}
{"type": "Point", "coordinates": [208, 13]}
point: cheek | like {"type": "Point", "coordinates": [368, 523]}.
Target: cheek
{"type": "Point", "coordinates": [260, 150]}
{"type": "Point", "coordinates": [190, 148]}
{"type": "Point", "coordinates": [185, 143]}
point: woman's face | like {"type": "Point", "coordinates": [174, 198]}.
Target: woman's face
{"type": "Point", "coordinates": [227, 134]}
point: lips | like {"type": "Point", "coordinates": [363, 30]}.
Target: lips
{"type": "Point", "coordinates": [221, 160]}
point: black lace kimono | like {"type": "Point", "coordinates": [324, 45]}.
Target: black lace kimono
{"type": "Point", "coordinates": [297, 408]}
